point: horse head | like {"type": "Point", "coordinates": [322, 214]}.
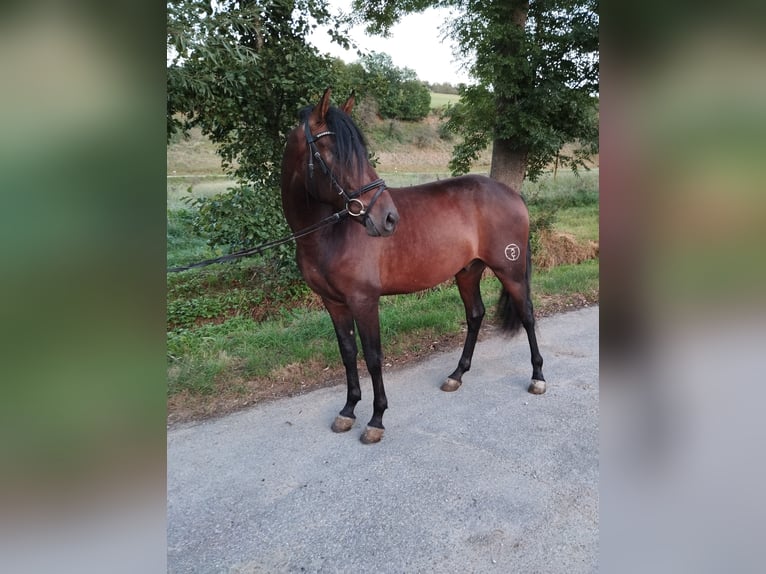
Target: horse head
{"type": "Point", "coordinates": [326, 156]}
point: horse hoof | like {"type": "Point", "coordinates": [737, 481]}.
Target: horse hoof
{"type": "Point", "coordinates": [342, 424]}
{"type": "Point", "coordinates": [536, 387]}
{"type": "Point", "coordinates": [371, 435]}
{"type": "Point", "coordinates": [450, 385]}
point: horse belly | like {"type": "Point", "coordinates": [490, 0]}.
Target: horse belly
{"type": "Point", "coordinates": [421, 268]}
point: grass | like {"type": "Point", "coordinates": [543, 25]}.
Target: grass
{"type": "Point", "coordinates": [580, 221]}
{"type": "Point", "coordinates": [442, 100]}
{"type": "Point", "coordinates": [567, 281]}
{"type": "Point", "coordinates": [570, 201]}
{"type": "Point", "coordinates": [566, 190]}
{"type": "Point", "coordinates": [181, 189]}
{"type": "Point", "coordinates": [205, 359]}
{"type": "Point", "coordinates": [195, 155]}
{"type": "Point", "coordinates": [242, 348]}
{"type": "Point", "coordinates": [183, 245]}
{"type": "Point", "coordinates": [417, 135]}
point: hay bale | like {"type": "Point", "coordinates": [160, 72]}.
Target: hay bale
{"type": "Point", "coordinates": [557, 248]}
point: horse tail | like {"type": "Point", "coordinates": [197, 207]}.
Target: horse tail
{"type": "Point", "coordinates": [508, 312]}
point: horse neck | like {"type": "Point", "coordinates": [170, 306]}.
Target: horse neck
{"type": "Point", "coordinates": [300, 208]}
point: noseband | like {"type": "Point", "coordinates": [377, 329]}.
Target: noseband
{"type": "Point", "coordinates": [354, 206]}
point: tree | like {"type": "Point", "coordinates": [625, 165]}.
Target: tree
{"type": "Point", "coordinates": [536, 66]}
{"type": "Point", "coordinates": [443, 88]}
{"type": "Point", "coordinates": [240, 70]}
{"type": "Point", "coordinates": [398, 92]}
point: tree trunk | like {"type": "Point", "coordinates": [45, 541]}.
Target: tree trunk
{"type": "Point", "coordinates": [509, 160]}
{"type": "Point", "coordinates": [508, 164]}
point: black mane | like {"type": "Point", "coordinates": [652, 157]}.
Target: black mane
{"type": "Point", "coordinates": [350, 143]}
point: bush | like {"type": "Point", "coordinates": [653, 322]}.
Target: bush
{"type": "Point", "coordinates": [412, 101]}
{"type": "Point", "coordinates": [244, 217]}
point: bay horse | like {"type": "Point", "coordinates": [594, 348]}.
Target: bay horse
{"type": "Point", "coordinates": [391, 241]}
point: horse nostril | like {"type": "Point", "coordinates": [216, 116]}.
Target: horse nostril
{"type": "Point", "coordinates": [391, 220]}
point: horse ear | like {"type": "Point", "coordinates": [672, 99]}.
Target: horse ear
{"type": "Point", "coordinates": [320, 110]}
{"type": "Point", "coordinates": [349, 105]}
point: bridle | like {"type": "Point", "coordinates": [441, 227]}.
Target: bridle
{"type": "Point", "coordinates": [354, 206]}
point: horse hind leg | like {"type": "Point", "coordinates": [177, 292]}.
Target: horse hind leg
{"type": "Point", "coordinates": [515, 309]}
{"type": "Point", "coordinates": [468, 282]}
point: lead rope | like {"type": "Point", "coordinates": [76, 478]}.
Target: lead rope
{"type": "Point", "coordinates": [331, 220]}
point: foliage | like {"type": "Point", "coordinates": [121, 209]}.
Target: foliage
{"type": "Point", "coordinates": [240, 71]}
{"type": "Point", "coordinates": [200, 43]}
{"type": "Point", "coordinates": [540, 222]}
{"type": "Point", "coordinates": [472, 117]}
{"type": "Point", "coordinates": [536, 66]}
{"type": "Point", "coordinates": [443, 88]}
{"type": "Point", "coordinates": [223, 222]}
{"type": "Point", "coordinates": [399, 93]}
{"type": "Point", "coordinates": [244, 216]}
{"type": "Point", "coordinates": [184, 245]}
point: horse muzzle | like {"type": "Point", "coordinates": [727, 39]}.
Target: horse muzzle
{"type": "Point", "coordinates": [383, 225]}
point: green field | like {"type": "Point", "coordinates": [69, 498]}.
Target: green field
{"type": "Point", "coordinates": [442, 100]}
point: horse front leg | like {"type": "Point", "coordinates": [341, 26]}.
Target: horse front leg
{"type": "Point", "coordinates": [368, 322]}
{"type": "Point", "coordinates": [343, 322]}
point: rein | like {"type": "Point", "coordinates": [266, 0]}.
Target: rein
{"type": "Point", "coordinates": [327, 221]}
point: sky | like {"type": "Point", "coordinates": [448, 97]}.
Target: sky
{"type": "Point", "coordinates": [414, 44]}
